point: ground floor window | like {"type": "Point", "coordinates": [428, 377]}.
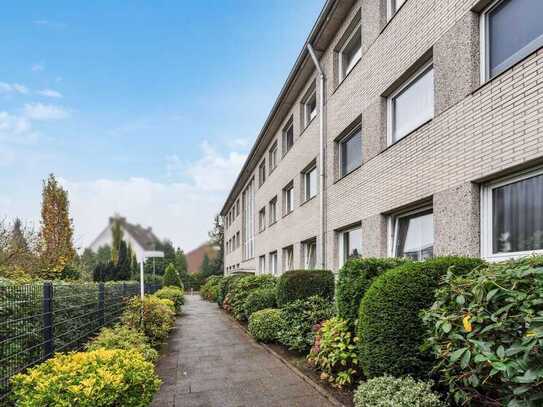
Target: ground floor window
{"type": "Point", "coordinates": [310, 254]}
{"type": "Point", "coordinates": [262, 264]}
{"type": "Point", "coordinates": [413, 234]}
{"type": "Point", "coordinates": [288, 258]}
{"type": "Point", "coordinates": [273, 263]}
{"type": "Point", "coordinates": [512, 216]}
{"type": "Point", "coordinates": [350, 244]}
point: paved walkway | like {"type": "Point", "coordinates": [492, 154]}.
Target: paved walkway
{"type": "Point", "coordinates": [210, 361]}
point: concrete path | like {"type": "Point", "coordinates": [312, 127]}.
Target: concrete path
{"type": "Point", "coordinates": [210, 361]}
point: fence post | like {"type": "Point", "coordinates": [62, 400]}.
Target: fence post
{"type": "Point", "coordinates": [48, 338]}
{"type": "Point", "coordinates": [101, 298]}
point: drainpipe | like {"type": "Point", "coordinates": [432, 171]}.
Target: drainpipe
{"type": "Point", "coordinates": [321, 154]}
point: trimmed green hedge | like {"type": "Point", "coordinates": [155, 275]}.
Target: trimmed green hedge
{"type": "Point", "coordinates": [299, 284]}
{"type": "Point", "coordinates": [259, 299]}
{"type": "Point", "coordinates": [390, 329]}
{"type": "Point", "coordinates": [354, 279]}
{"type": "Point", "coordinates": [264, 324]}
{"type": "Point", "coordinates": [241, 288]}
{"type": "Point", "coordinates": [224, 287]}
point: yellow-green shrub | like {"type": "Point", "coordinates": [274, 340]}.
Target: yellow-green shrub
{"type": "Point", "coordinates": [88, 379]}
{"type": "Point", "coordinates": [174, 294]}
{"type": "Point", "coordinates": [158, 317]}
{"type": "Point", "coordinates": [123, 337]}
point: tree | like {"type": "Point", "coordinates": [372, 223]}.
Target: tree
{"type": "Point", "coordinates": [124, 260]}
{"type": "Point", "coordinates": [18, 242]}
{"type": "Point", "coordinates": [56, 234]}
{"type": "Point", "coordinates": [103, 254]}
{"type": "Point", "coordinates": [117, 235]}
{"type": "Point", "coordinates": [180, 261]}
{"type": "Point", "coordinates": [217, 239]}
{"type": "Point", "coordinates": [171, 276]}
{"type": "Point", "coordinates": [205, 268]}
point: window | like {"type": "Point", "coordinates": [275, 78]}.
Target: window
{"type": "Point", "coordinates": [310, 183]}
{"type": "Point", "coordinates": [511, 30]}
{"type": "Point", "coordinates": [262, 173]}
{"type": "Point", "coordinates": [411, 105]}
{"type": "Point", "coordinates": [288, 137]}
{"type": "Point", "coordinates": [237, 208]}
{"type": "Point", "coordinates": [273, 263]}
{"type": "Point", "coordinates": [350, 152]}
{"type": "Point", "coordinates": [351, 53]}
{"type": "Point", "coordinates": [273, 157]}
{"type": "Point", "coordinates": [393, 7]}
{"type": "Point", "coordinates": [310, 254]}
{"type": "Point", "coordinates": [262, 264]}
{"type": "Point", "coordinates": [288, 199]}
{"type": "Point", "coordinates": [262, 220]}
{"type": "Point", "coordinates": [350, 244]}
{"type": "Point", "coordinates": [273, 211]}
{"type": "Point", "coordinates": [310, 107]}
{"type": "Point", "coordinates": [414, 235]}
{"type": "Point", "coordinates": [227, 248]}
{"type": "Point", "coordinates": [288, 258]}
{"type": "Point", "coordinates": [512, 216]}
{"type": "Point", "coordinates": [238, 241]}
{"type": "Point", "coordinates": [248, 203]}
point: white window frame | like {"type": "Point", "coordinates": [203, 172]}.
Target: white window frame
{"type": "Point", "coordinates": [343, 75]}
{"type": "Point", "coordinates": [288, 258]}
{"type": "Point", "coordinates": [272, 204]}
{"type": "Point", "coordinates": [307, 113]}
{"type": "Point", "coordinates": [390, 102]}
{"type": "Point", "coordinates": [341, 142]}
{"type": "Point", "coordinates": [273, 263]}
{"type": "Point", "coordinates": [289, 125]}
{"type": "Point", "coordinates": [392, 9]}
{"type": "Point", "coordinates": [310, 247]}
{"type": "Point", "coordinates": [262, 264]}
{"type": "Point", "coordinates": [486, 216]}
{"type": "Point", "coordinates": [262, 219]}
{"type": "Point", "coordinates": [393, 221]}
{"type": "Point", "coordinates": [262, 173]}
{"type": "Point", "coordinates": [288, 191]}
{"type": "Point", "coordinates": [341, 242]}
{"type": "Point", "coordinates": [272, 158]}
{"type": "Point", "coordinates": [307, 184]}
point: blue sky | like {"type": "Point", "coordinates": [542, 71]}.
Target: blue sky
{"type": "Point", "coordinates": [145, 108]}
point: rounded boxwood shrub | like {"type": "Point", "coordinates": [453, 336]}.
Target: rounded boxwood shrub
{"type": "Point", "coordinates": [122, 337]}
{"type": "Point", "coordinates": [299, 284]}
{"type": "Point", "coordinates": [158, 317]}
{"type": "Point", "coordinates": [174, 294]}
{"type": "Point", "coordinates": [264, 324]}
{"type": "Point", "coordinates": [387, 391]}
{"type": "Point", "coordinates": [241, 289]}
{"type": "Point", "coordinates": [486, 333]}
{"type": "Point", "coordinates": [224, 287]}
{"type": "Point", "coordinates": [300, 319]}
{"type": "Point", "coordinates": [354, 278]}
{"type": "Point", "coordinates": [259, 299]}
{"type": "Point", "coordinates": [390, 329]}
{"type": "Point", "coordinates": [87, 379]}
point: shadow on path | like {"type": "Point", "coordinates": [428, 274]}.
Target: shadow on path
{"type": "Point", "coordinates": [210, 361]}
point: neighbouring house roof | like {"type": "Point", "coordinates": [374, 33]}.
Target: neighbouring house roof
{"type": "Point", "coordinates": [196, 257]}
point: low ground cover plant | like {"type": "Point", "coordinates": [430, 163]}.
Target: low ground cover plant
{"type": "Point", "coordinates": [299, 284]}
{"type": "Point", "coordinates": [122, 337]}
{"type": "Point", "coordinates": [210, 290]}
{"type": "Point", "coordinates": [390, 328]}
{"type": "Point", "coordinates": [264, 324]}
{"type": "Point", "coordinates": [298, 319]}
{"type": "Point", "coordinates": [241, 289]}
{"type": "Point", "coordinates": [259, 299]}
{"type": "Point", "coordinates": [487, 333]}
{"type": "Point", "coordinates": [88, 379]}
{"type": "Point", "coordinates": [174, 294]}
{"type": "Point", "coordinates": [334, 352]}
{"type": "Point", "coordinates": [354, 278]}
{"type": "Point", "coordinates": [388, 391]}
{"type": "Point", "coordinates": [158, 317]}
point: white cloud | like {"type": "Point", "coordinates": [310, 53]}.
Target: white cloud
{"type": "Point", "coordinates": [15, 129]}
{"type": "Point", "coordinates": [50, 93]}
{"type": "Point", "coordinates": [7, 88]}
{"type": "Point", "coordinates": [181, 211]}
{"type": "Point", "coordinates": [37, 67]}
{"type": "Point", "coordinates": [42, 112]}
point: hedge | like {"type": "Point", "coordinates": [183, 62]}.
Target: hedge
{"type": "Point", "coordinates": [390, 329]}
{"type": "Point", "coordinates": [172, 293]}
{"type": "Point", "coordinates": [241, 288]}
{"type": "Point", "coordinates": [224, 287]}
{"type": "Point", "coordinates": [264, 324]}
{"type": "Point", "coordinates": [354, 278]}
{"type": "Point", "coordinates": [259, 299]}
{"type": "Point", "coordinates": [299, 284]}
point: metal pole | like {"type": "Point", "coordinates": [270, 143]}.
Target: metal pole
{"type": "Point", "coordinates": [142, 288]}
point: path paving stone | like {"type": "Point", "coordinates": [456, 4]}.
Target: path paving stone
{"type": "Point", "coordinates": [211, 362]}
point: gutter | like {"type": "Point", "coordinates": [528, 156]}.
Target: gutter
{"type": "Point", "coordinates": [322, 154]}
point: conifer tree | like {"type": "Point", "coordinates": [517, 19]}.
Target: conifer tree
{"type": "Point", "coordinates": [117, 235]}
{"type": "Point", "coordinates": [171, 276]}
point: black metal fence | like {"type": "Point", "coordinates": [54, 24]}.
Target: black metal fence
{"type": "Point", "coordinates": [37, 320]}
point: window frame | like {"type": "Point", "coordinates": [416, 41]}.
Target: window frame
{"type": "Point", "coordinates": [262, 264]}
{"type": "Point", "coordinates": [393, 222]}
{"type": "Point", "coordinates": [306, 245]}
{"type": "Point", "coordinates": [306, 182]}
{"type": "Point", "coordinates": [272, 153]}
{"type": "Point", "coordinates": [288, 190]}
{"type": "Point", "coordinates": [273, 262]}
{"type": "Point", "coordinates": [405, 85]}
{"type": "Point", "coordinates": [312, 94]}
{"type": "Point", "coordinates": [262, 173]}
{"type": "Point", "coordinates": [484, 42]}
{"type": "Point", "coordinates": [392, 9]}
{"type": "Point", "coordinates": [341, 142]}
{"type": "Point", "coordinates": [262, 220]}
{"type": "Point", "coordinates": [272, 204]}
{"type": "Point", "coordinates": [487, 213]}
{"type": "Point", "coordinates": [288, 264]}
{"type": "Point", "coordinates": [341, 242]}
{"type": "Point", "coordinates": [342, 73]}
{"type": "Point", "coordinates": [288, 126]}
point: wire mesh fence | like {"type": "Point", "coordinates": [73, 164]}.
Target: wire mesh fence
{"type": "Point", "coordinates": [37, 320]}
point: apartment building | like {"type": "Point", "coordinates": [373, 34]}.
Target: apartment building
{"type": "Point", "coordinates": [405, 128]}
